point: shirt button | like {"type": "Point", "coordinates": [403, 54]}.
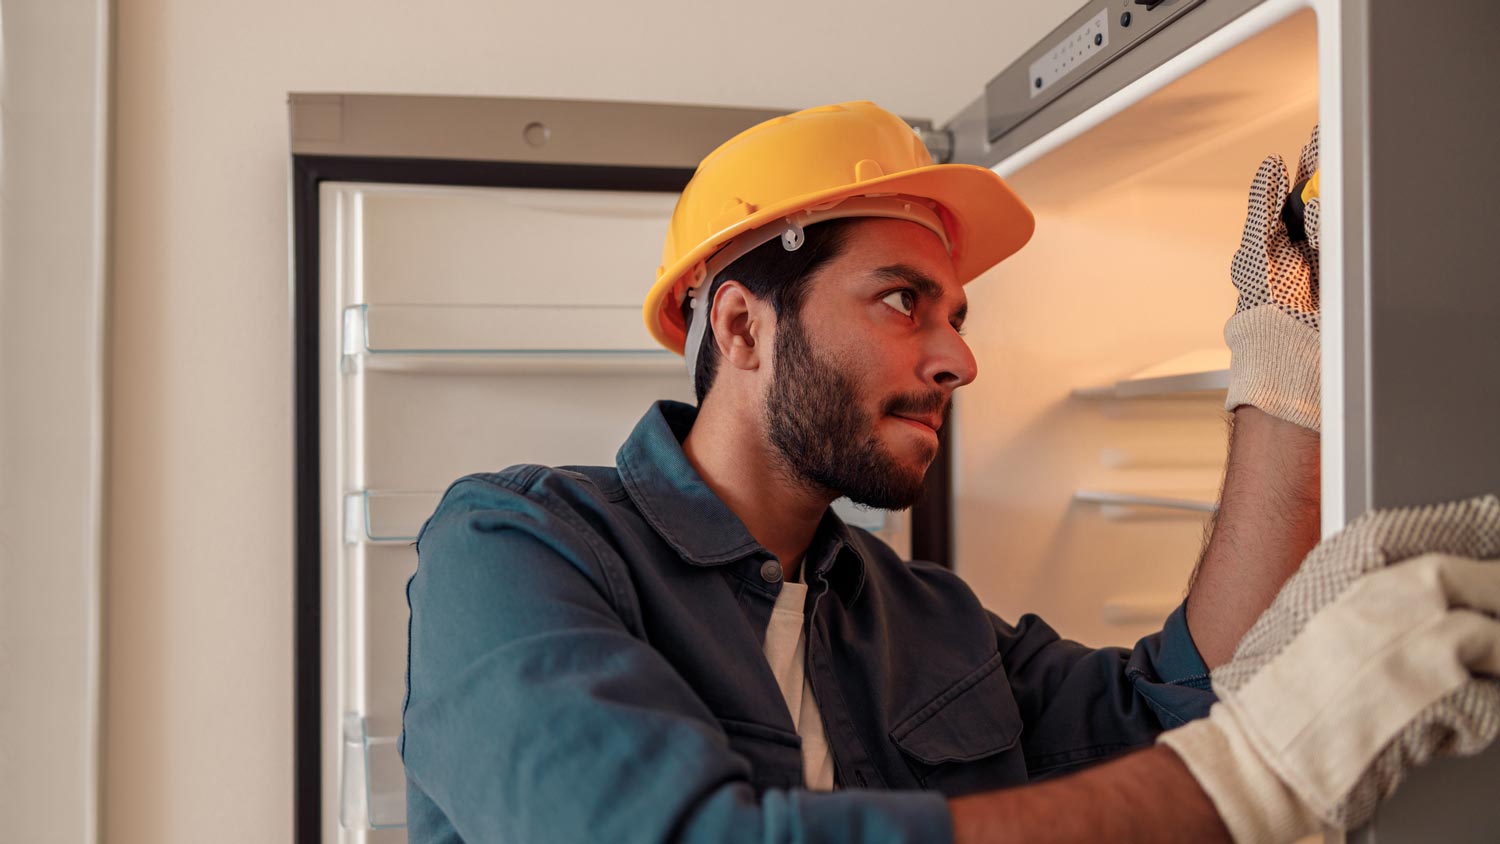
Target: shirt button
{"type": "Point", "coordinates": [770, 571]}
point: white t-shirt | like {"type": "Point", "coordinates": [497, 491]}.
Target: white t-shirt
{"type": "Point", "coordinates": [786, 651]}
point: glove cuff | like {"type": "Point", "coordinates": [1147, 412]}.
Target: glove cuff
{"type": "Point", "coordinates": [1252, 802]}
{"type": "Point", "coordinates": [1274, 365]}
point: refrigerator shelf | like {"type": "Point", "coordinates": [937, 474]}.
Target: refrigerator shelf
{"type": "Point", "coordinates": [1206, 370]}
{"type": "Point", "coordinates": [503, 339]}
{"type": "Point", "coordinates": [1115, 505]}
{"type": "Point", "coordinates": [373, 793]}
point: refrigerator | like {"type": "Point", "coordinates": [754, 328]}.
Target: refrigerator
{"type": "Point", "coordinates": [467, 274]}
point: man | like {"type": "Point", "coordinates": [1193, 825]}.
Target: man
{"type": "Point", "coordinates": [691, 646]}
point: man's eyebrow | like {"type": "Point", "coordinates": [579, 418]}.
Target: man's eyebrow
{"type": "Point", "coordinates": [922, 285]}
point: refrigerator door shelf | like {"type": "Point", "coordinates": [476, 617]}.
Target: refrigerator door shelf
{"type": "Point", "coordinates": [386, 517]}
{"type": "Point", "coordinates": [373, 792]}
{"type": "Point", "coordinates": [1196, 372]}
{"type": "Point", "coordinates": [503, 339]}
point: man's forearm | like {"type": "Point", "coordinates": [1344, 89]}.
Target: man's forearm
{"type": "Point", "coordinates": [1268, 519]}
{"type": "Point", "coordinates": [1147, 796]}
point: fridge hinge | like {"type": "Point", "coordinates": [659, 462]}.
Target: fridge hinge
{"type": "Point", "coordinates": [939, 143]}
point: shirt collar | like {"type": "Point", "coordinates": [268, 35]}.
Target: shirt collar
{"type": "Point", "coordinates": [836, 555]}
{"type": "Point", "coordinates": [691, 518]}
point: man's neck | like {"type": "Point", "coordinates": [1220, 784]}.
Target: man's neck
{"type": "Point", "coordinates": [729, 449]}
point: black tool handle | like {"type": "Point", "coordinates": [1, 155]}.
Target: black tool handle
{"type": "Point", "coordinates": [1291, 213]}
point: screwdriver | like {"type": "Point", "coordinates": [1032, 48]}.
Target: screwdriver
{"type": "Point", "coordinates": [1302, 193]}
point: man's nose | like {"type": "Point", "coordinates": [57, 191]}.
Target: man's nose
{"type": "Point", "coordinates": [950, 362]}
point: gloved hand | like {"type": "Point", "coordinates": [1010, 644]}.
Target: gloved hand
{"type": "Point", "coordinates": [1362, 668]}
{"type": "Point", "coordinates": [1273, 335]}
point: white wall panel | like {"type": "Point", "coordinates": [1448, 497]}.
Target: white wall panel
{"type": "Point", "coordinates": [53, 181]}
{"type": "Point", "coordinates": [541, 247]}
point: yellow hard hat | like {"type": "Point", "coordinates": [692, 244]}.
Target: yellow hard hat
{"type": "Point", "coordinates": [845, 160]}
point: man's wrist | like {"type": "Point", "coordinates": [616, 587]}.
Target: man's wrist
{"type": "Point", "coordinates": [1251, 422]}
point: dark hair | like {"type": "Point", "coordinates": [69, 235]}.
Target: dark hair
{"type": "Point", "coordinates": [770, 271]}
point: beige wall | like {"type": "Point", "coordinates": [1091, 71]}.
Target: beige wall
{"type": "Point", "coordinates": [199, 580]}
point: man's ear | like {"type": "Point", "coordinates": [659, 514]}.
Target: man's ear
{"type": "Point", "coordinates": [740, 321]}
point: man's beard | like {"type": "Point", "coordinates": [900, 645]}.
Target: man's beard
{"type": "Point", "coordinates": [826, 439]}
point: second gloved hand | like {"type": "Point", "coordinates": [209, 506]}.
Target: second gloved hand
{"type": "Point", "coordinates": [1379, 654]}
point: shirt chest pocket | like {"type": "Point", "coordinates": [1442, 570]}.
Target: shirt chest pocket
{"type": "Point", "coordinates": [967, 739]}
{"type": "Point", "coordinates": [775, 756]}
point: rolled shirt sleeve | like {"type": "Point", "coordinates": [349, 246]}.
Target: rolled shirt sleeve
{"type": "Point", "coordinates": [536, 711]}
{"type": "Point", "coordinates": [1083, 705]}
{"type": "Point", "coordinates": [1166, 669]}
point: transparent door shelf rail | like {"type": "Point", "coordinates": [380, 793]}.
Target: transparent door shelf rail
{"type": "Point", "coordinates": [387, 517]}
{"type": "Point", "coordinates": [373, 791]}
{"type": "Point", "coordinates": [502, 338]}
{"type": "Point", "coordinates": [1117, 504]}
{"type": "Point", "coordinates": [383, 517]}
{"type": "Point", "coordinates": [1206, 370]}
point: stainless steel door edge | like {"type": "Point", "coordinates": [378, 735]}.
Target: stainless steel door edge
{"type": "Point", "coordinates": [972, 142]}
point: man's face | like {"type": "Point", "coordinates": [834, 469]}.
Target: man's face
{"type": "Point", "coordinates": [864, 373]}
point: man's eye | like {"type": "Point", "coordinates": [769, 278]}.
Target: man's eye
{"type": "Point", "coordinates": [901, 300]}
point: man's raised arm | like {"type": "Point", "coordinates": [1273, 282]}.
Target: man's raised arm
{"type": "Point", "coordinates": [1268, 516]}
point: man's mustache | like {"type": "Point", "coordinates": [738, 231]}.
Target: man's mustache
{"type": "Point", "coordinates": [919, 404]}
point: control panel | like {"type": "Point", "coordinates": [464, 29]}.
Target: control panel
{"type": "Point", "coordinates": [1090, 39]}
{"type": "Point", "coordinates": [1070, 55]}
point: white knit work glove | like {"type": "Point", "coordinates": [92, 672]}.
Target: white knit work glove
{"type": "Point", "coordinates": [1273, 335]}
{"type": "Point", "coordinates": [1362, 668]}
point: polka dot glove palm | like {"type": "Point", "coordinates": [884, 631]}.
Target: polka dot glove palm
{"type": "Point", "coordinates": [1273, 335]}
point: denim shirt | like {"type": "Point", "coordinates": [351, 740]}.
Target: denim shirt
{"type": "Point", "coordinates": [586, 664]}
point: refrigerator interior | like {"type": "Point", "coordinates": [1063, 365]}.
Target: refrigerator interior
{"type": "Point", "coordinates": [1089, 451]}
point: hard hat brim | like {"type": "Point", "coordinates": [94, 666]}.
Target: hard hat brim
{"type": "Point", "coordinates": [986, 222]}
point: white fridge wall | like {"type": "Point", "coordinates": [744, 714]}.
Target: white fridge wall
{"type": "Point", "coordinates": [379, 605]}
{"type": "Point", "coordinates": [1136, 223]}
{"type": "Point", "coordinates": [423, 431]}
{"type": "Point", "coordinates": [468, 246]}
